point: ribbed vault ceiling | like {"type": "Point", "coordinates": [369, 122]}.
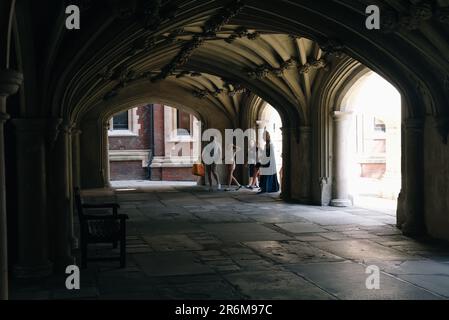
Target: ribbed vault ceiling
{"type": "Point", "coordinates": [220, 51]}
{"type": "Point", "coordinates": [283, 65]}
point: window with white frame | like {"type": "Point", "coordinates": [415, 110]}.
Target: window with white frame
{"type": "Point", "coordinates": [124, 123]}
{"type": "Point", "coordinates": [183, 123]}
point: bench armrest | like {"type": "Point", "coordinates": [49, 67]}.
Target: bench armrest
{"type": "Point", "coordinates": [101, 206]}
{"type": "Point", "coordinates": [106, 217]}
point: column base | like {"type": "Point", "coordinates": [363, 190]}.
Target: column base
{"type": "Point", "coordinates": [400, 212]}
{"type": "Point", "coordinates": [304, 201]}
{"type": "Point", "coordinates": [341, 203]}
{"type": "Point", "coordinates": [413, 229]}
{"type": "Point", "coordinates": [391, 186]}
{"type": "Point", "coordinates": [28, 272]}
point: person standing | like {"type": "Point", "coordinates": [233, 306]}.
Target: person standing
{"type": "Point", "coordinates": [268, 172]}
{"type": "Point", "coordinates": [231, 166]}
{"type": "Point", "coordinates": [211, 159]}
{"type": "Point", "coordinates": [253, 165]}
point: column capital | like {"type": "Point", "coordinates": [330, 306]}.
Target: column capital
{"type": "Point", "coordinates": [414, 124]}
{"type": "Point", "coordinates": [10, 82]}
{"type": "Point", "coordinates": [65, 127]}
{"type": "Point", "coordinates": [341, 115]}
{"type": "Point", "coordinates": [442, 126]}
{"type": "Point", "coordinates": [76, 131]}
{"type": "Point", "coordinates": [3, 117]}
{"type": "Point", "coordinates": [297, 132]}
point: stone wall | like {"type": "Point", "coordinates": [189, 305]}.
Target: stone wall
{"type": "Point", "coordinates": [172, 174]}
{"type": "Point", "coordinates": [142, 140]}
{"type": "Point", "coordinates": [159, 129]}
{"type": "Point", "coordinates": [127, 170]}
{"type": "Point", "coordinates": [436, 186]}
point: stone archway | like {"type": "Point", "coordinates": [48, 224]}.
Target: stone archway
{"type": "Point", "coordinates": [376, 127]}
{"type": "Point", "coordinates": [157, 143]}
{"type": "Point", "coordinates": [330, 127]}
{"type": "Point", "coordinates": [224, 48]}
{"type": "Point", "coordinates": [270, 120]}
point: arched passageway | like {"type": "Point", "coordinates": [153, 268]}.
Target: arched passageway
{"type": "Point", "coordinates": [374, 152]}
{"type": "Point", "coordinates": [153, 142]}
{"type": "Point", "coordinates": [219, 61]}
{"type": "Point", "coordinates": [270, 120]}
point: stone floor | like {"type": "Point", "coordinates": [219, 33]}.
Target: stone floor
{"type": "Point", "coordinates": [187, 243]}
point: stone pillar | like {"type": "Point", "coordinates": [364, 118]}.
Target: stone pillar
{"type": "Point", "coordinates": [9, 84]}
{"type": "Point", "coordinates": [305, 165]}
{"type": "Point", "coordinates": [300, 161]}
{"type": "Point", "coordinates": [33, 252]}
{"type": "Point", "coordinates": [391, 181]}
{"type": "Point", "coordinates": [74, 179]}
{"type": "Point", "coordinates": [286, 162]}
{"type": "Point", "coordinates": [105, 155]}
{"type": "Point", "coordinates": [340, 185]}
{"type": "Point", "coordinates": [414, 204]}
{"type": "Point", "coordinates": [62, 219]}
{"type": "Point", "coordinates": [76, 165]}
{"type": "Point", "coordinates": [91, 154]}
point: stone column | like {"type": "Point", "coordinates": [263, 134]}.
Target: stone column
{"type": "Point", "coordinates": [300, 160]}
{"type": "Point", "coordinates": [33, 253]}
{"type": "Point", "coordinates": [340, 185]}
{"type": "Point", "coordinates": [91, 154]}
{"type": "Point", "coordinates": [305, 165]}
{"type": "Point", "coordinates": [74, 178]}
{"type": "Point", "coordinates": [9, 84]}
{"type": "Point", "coordinates": [414, 205]}
{"type": "Point", "coordinates": [391, 181]}
{"type": "Point", "coordinates": [286, 162]}
{"type": "Point", "coordinates": [105, 155]}
{"type": "Point", "coordinates": [76, 165]}
{"type": "Point", "coordinates": [61, 194]}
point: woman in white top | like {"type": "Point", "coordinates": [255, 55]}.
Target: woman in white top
{"type": "Point", "coordinates": [231, 165]}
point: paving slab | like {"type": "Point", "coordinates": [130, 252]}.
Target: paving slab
{"type": "Point", "coordinates": [431, 275]}
{"type": "Point", "coordinates": [222, 217]}
{"type": "Point", "coordinates": [362, 250]}
{"type": "Point", "coordinates": [301, 227]}
{"type": "Point", "coordinates": [270, 217]}
{"type": "Point", "coordinates": [210, 287]}
{"type": "Point", "coordinates": [187, 243]}
{"type": "Point", "coordinates": [310, 238]}
{"type": "Point", "coordinates": [171, 264]}
{"type": "Point", "coordinates": [172, 242]}
{"type": "Point", "coordinates": [286, 252]}
{"type": "Point", "coordinates": [157, 227]}
{"type": "Point", "coordinates": [273, 286]}
{"type": "Point", "coordinates": [347, 281]}
{"type": "Point", "coordinates": [243, 232]}
{"type": "Point", "coordinates": [326, 218]}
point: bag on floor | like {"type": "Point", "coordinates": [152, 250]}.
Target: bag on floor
{"type": "Point", "coordinates": [198, 170]}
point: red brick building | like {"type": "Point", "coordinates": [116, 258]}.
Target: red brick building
{"type": "Point", "coordinates": [153, 142]}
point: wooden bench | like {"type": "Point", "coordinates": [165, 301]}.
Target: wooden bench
{"type": "Point", "coordinates": [101, 226]}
